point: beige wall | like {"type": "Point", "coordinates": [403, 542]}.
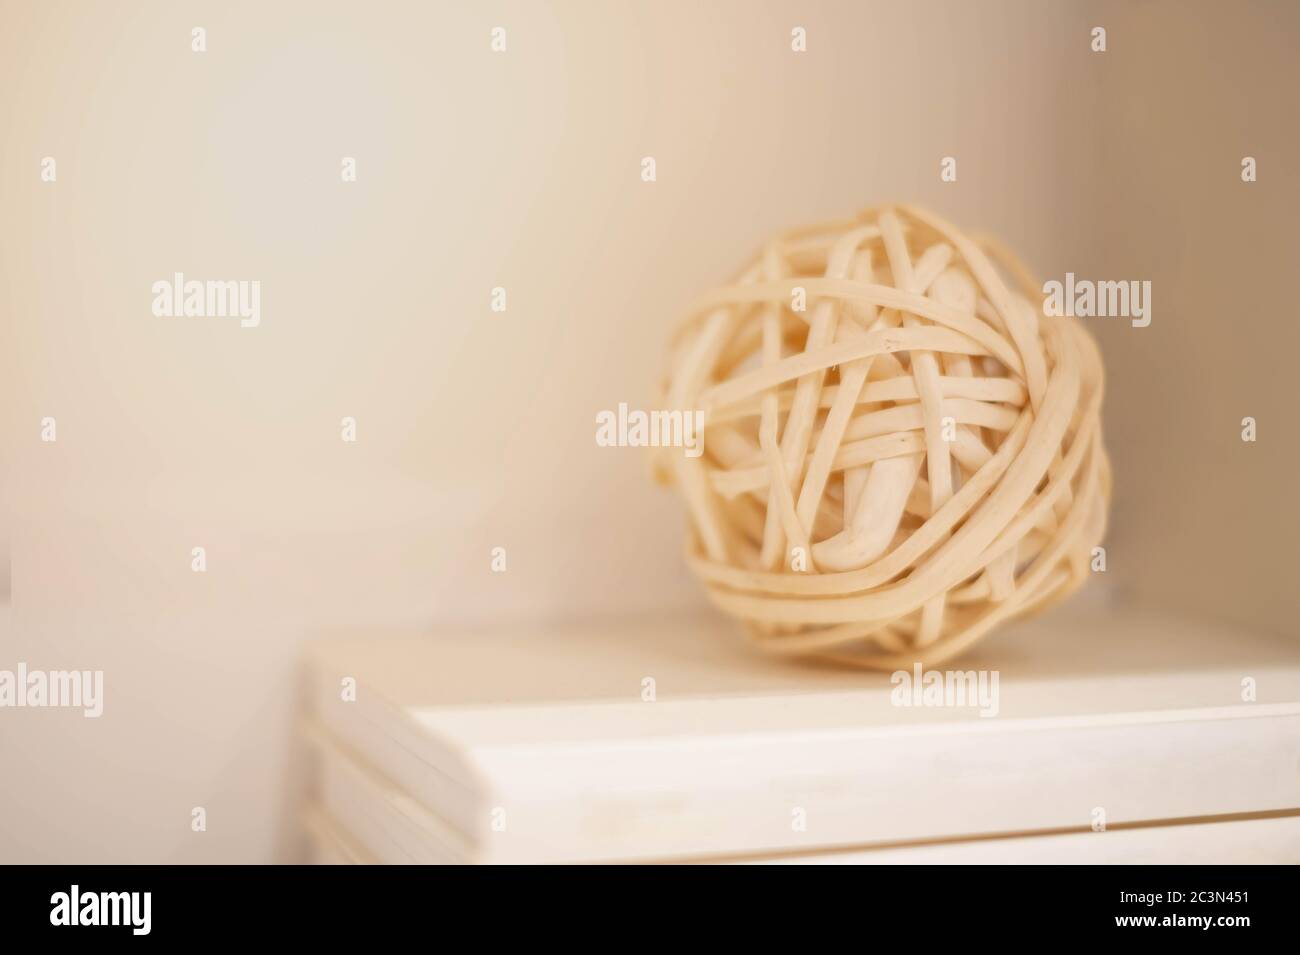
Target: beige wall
{"type": "Point", "coordinates": [1203, 521]}
{"type": "Point", "coordinates": [475, 428]}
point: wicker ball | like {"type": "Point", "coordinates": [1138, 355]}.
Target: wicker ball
{"type": "Point", "coordinates": [900, 450]}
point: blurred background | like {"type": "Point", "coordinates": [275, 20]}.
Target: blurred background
{"type": "Point", "coordinates": [521, 169]}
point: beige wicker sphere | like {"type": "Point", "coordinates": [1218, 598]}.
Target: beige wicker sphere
{"type": "Point", "coordinates": [900, 450]}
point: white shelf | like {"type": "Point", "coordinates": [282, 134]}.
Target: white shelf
{"type": "Point", "coordinates": [1139, 717]}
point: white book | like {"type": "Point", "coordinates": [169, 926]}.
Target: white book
{"type": "Point", "coordinates": [362, 818]}
{"type": "Point", "coordinates": [516, 746]}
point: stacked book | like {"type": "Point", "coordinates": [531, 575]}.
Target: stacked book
{"type": "Point", "coordinates": [1099, 737]}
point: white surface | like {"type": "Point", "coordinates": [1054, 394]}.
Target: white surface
{"type": "Point", "coordinates": [362, 819]}
{"type": "Point", "coordinates": [394, 828]}
{"type": "Point", "coordinates": [715, 769]}
{"type": "Point", "coordinates": [1274, 841]}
